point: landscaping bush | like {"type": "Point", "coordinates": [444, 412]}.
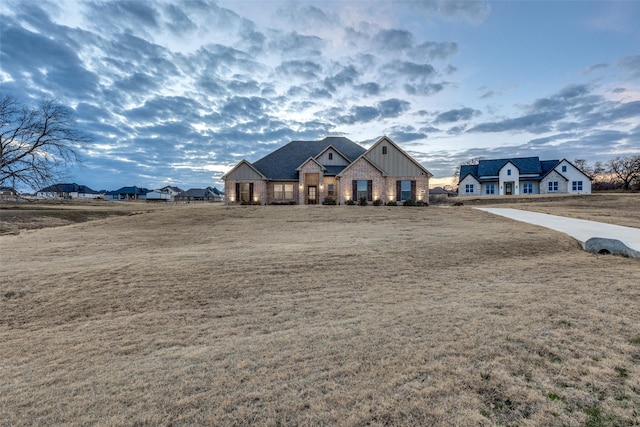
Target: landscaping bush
{"type": "Point", "coordinates": [329, 201]}
{"type": "Point", "coordinates": [392, 203]}
{"type": "Point", "coordinates": [363, 201]}
{"type": "Point", "coordinates": [409, 202]}
{"type": "Point", "coordinates": [377, 202]}
{"type": "Point", "coordinates": [350, 202]}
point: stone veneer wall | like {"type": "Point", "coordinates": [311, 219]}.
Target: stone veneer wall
{"type": "Point", "coordinates": [563, 185]}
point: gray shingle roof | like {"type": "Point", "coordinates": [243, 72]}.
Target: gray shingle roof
{"type": "Point", "coordinates": [526, 165]}
{"type": "Point", "coordinates": [282, 163]}
{"type": "Point", "coordinates": [491, 168]}
{"type": "Point", "coordinates": [199, 193]}
{"type": "Point", "coordinates": [68, 188]}
{"type": "Point", "coordinates": [129, 190]}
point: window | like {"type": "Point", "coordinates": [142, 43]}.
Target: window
{"type": "Point", "coordinates": [489, 189]}
{"type": "Point", "coordinates": [527, 188]}
{"type": "Point", "coordinates": [384, 149]}
{"type": "Point", "coordinates": [330, 156]}
{"type": "Point", "coordinates": [553, 186]}
{"type": "Point", "coordinates": [509, 172]}
{"type": "Point", "coordinates": [283, 191]}
{"type": "Point", "coordinates": [468, 188]}
{"type": "Point", "coordinates": [244, 191]}
{"type": "Point", "coordinates": [576, 185]}
{"type": "Point", "coordinates": [564, 168]}
{"type": "Point", "coordinates": [405, 190]}
{"type": "Point", "coordinates": [330, 190]}
{"type": "Point", "coordinates": [362, 190]}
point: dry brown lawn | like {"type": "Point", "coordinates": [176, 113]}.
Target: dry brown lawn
{"type": "Point", "coordinates": [323, 315]}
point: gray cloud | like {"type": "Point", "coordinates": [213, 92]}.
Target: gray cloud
{"type": "Point", "coordinates": [369, 88]}
{"type": "Point", "coordinates": [297, 45]}
{"type": "Point", "coordinates": [424, 88]}
{"type": "Point", "coordinates": [410, 70]}
{"type": "Point", "coordinates": [346, 76]}
{"type": "Point", "coordinates": [389, 108]}
{"type": "Point", "coordinates": [307, 70]}
{"type": "Point", "coordinates": [534, 123]}
{"type": "Point", "coordinates": [470, 10]}
{"type": "Point", "coordinates": [51, 65]}
{"type": "Point", "coordinates": [393, 40]}
{"type": "Point", "coordinates": [456, 115]}
{"type": "Point", "coordinates": [392, 107]}
{"type": "Point", "coordinates": [436, 50]}
{"type": "Point", "coordinates": [177, 21]}
{"type": "Point", "coordinates": [123, 15]}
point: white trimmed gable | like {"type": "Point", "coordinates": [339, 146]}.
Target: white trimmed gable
{"type": "Point", "coordinates": [469, 180]}
{"type": "Point", "coordinates": [573, 174]}
{"type": "Point", "coordinates": [509, 172]}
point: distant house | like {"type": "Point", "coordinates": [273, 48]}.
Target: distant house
{"type": "Point", "coordinates": [127, 193]}
{"type": "Point", "coordinates": [523, 175]}
{"type": "Point", "coordinates": [166, 194]}
{"type": "Point", "coordinates": [7, 191]}
{"type": "Point", "coordinates": [67, 191]}
{"type": "Point", "coordinates": [200, 195]}
{"type": "Point", "coordinates": [439, 194]}
{"type": "Point", "coordinates": [335, 168]}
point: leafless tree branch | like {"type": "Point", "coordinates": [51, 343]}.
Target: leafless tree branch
{"type": "Point", "coordinates": [37, 144]}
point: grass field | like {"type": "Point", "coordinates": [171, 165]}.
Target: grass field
{"type": "Point", "coordinates": [317, 315]}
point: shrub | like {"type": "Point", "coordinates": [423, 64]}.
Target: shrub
{"type": "Point", "coordinates": [422, 203]}
{"type": "Point", "coordinates": [350, 202]}
{"type": "Point", "coordinates": [363, 201]}
{"type": "Point", "coordinates": [377, 202]}
{"type": "Point", "coordinates": [329, 201]}
{"type": "Point", "coordinates": [392, 203]}
{"type": "Point", "coordinates": [409, 202]}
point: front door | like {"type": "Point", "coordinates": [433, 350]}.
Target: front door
{"type": "Point", "coordinates": [312, 195]}
{"type": "Point", "coordinates": [508, 188]}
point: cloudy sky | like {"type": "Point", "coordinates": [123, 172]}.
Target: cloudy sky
{"type": "Point", "coordinates": [176, 93]}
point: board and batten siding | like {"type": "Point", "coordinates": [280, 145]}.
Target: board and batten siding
{"type": "Point", "coordinates": [243, 172]}
{"type": "Point", "coordinates": [394, 162]}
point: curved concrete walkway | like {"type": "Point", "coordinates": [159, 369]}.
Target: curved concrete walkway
{"type": "Point", "coordinates": [594, 236]}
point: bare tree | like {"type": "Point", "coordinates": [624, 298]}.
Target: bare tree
{"type": "Point", "coordinates": [583, 166]}
{"type": "Point", "coordinates": [626, 170]}
{"type": "Point", "coordinates": [36, 144]}
{"type": "Point", "coordinates": [456, 173]}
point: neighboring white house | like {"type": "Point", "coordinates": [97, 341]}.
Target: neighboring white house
{"type": "Point", "coordinates": [67, 191]}
{"type": "Point", "coordinates": [522, 175]}
{"type": "Point", "coordinates": [166, 194]}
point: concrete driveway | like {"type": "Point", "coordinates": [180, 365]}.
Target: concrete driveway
{"type": "Point", "coordinates": [594, 236]}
